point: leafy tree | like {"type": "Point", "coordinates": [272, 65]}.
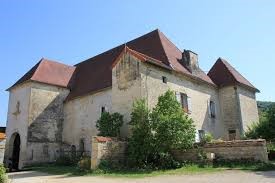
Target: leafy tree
{"type": "Point", "coordinates": [109, 124]}
{"type": "Point", "coordinates": [265, 128]}
{"type": "Point", "coordinates": [156, 133]}
{"type": "Point", "coordinates": [172, 127]}
{"type": "Point", "coordinates": [141, 141]}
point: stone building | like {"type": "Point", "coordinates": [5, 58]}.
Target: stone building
{"type": "Point", "coordinates": [55, 106]}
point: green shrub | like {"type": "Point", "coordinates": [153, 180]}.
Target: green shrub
{"type": "Point", "coordinates": [207, 138]}
{"type": "Point", "coordinates": [156, 133]}
{"type": "Point", "coordinates": [3, 175]}
{"type": "Point", "coordinates": [109, 124]}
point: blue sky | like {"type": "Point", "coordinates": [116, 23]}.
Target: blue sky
{"type": "Point", "coordinates": [241, 31]}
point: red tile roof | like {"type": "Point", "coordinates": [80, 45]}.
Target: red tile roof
{"type": "Point", "coordinates": [49, 72]}
{"type": "Point", "coordinates": [223, 74]}
{"type": "Point", "coordinates": [95, 74]}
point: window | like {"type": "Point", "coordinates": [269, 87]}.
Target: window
{"type": "Point", "coordinates": [232, 134]}
{"type": "Point", "coordinates": [103, 109]}
{"type": "Point", "coordinates": [164, 79]}
{"type": "Point", "coordinates": [212, 109]}
{"type": "Point", "coordinates": [185, 101]}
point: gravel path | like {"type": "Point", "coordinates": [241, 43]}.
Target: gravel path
{"type": "Point", "coordinates": [230, 176]}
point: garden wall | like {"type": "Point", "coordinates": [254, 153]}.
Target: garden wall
{"type": "Point", "coordinates": [106, 148]}
{"type": "Point", "coordinates": [228, 150]}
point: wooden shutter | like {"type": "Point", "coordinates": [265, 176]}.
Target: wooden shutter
{"type": "Point", "coordinates": [189, 105]}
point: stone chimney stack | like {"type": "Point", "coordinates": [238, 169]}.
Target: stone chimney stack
{"type": "Point", "coordinates": [190, 60]}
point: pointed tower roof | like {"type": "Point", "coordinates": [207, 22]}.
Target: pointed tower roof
{"type": "Point", "coordinates": [49, 72]}
{"type": "Point", "coordinates": [223, 74]}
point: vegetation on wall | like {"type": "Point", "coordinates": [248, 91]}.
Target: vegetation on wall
{"type": "Point", "coordinates": [265, 128]}
{"type": "Point", "coordinates": [155, 133]}
{"type": "Point", "coordinates": [109, 124]}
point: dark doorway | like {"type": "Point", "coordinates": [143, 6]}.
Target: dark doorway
{"type": "Point", "coordinates": [16, 152]}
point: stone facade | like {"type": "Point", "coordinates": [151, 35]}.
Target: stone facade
{"type": "Point", "coordinates": [36, 114]}
{"type": "Point", "coordinates": [228, 150]}
{"type": "Point", "coordinates": [110, 149]}
{"type": "Point", "coordinates": [47, 123]}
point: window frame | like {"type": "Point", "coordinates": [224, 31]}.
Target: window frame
{"type": "Point", "coordinates": [212, 108]}
{"type": "Point", "coordinates": [164, 79]}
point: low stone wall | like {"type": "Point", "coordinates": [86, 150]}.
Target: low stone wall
{"type": "Point", "coordinates": [105, 148]}
{"type": "Point", "coordinates": [228, 150]}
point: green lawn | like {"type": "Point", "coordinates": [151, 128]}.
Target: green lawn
{"type": "Point", "coordinates": [187, 169]}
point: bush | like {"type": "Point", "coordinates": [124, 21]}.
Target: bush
{"type": "Point", "coordinates": [265, 128]}
{"type": "Point", "coordinates": [156, 133]}
{"type": "Point", "coordinates": [207, 138]}
{"type": "Point", "coordinates": [3, 175]}
{"type": "Point", "coordinates": [109, 124]}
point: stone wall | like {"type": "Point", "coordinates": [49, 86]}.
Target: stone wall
{"type": "Point", "coordinates": [230, 110]}
{"type": "Point", "coordinates": [105, 148]}
{"type": "Point", "coordinates": [46, 118]}
{"type": "Point", "coordinates": [198, 92]}
{"type": "Point", "coordinates": [126, 88]}
{"type": "Point", "coordinates": [248, 107]}
{"type": "Point", "coordinates": [17, 120]}
{"type": "Point", "coordinates": [228, 150]}
{"type": "Point", "coordinates": [81, 115]}
{"type": "Point", "coordinates": [2, 150]}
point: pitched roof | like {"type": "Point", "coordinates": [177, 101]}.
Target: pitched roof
{"type": "Point", "coordinates": [96, 73]}
{"type": "Point", "coordinates": [223, 74]}
{"type": "Point", "coordinates": [49, 72]}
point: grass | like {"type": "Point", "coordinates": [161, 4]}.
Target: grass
{"type": "Point", "coordinates": [187, 169]}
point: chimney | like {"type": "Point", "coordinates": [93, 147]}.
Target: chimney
{"type": "Point", "coordinates": [190, 60]}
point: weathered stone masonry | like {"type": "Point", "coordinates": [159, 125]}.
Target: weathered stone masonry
{"type": "Point", "coordinates": [54, 107]}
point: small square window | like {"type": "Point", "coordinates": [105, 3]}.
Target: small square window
{"type": "Point", "coordinates": [164, 79]}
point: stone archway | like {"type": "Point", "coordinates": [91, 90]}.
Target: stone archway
{"type": "Point", "coordinates": [14, 146]}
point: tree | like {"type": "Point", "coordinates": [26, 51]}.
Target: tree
{"type": "Point", "coordinates": [109, 124]}
{"type": "Point", "coordinates": [156, 133]}
{"type": "Point", "coordinates": [140, 143]}
{"type": "Point", "coordinates": [172, 126]}
{"type": "Point", "coordinates": [265, 128]}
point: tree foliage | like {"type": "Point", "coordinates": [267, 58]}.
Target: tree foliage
{"type": "Point", "coordinates": [265, 128]}
{"type": "Point", "coordinates": [156, 133]}
{"type": "Point", "coordinates": [109, 125]}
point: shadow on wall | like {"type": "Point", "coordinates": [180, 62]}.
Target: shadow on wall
{"type": "Point", "coordinates": [48, 125]}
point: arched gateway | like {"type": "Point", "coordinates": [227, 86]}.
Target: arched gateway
{"type": "Point", "coordinates": [14, 146]}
